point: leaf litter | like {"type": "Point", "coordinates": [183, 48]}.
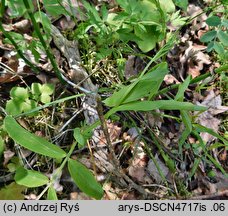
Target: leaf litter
{"type": "Point", "coordinates": [187, 58]}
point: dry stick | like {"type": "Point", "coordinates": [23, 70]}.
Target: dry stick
{"type": "Point", "coordinates": [118, 171]}
{"type": "Point", "coordinates": [105, 130]}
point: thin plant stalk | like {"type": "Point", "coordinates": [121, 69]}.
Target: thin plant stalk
{"type": "Point", "coordinates": [44, 44]}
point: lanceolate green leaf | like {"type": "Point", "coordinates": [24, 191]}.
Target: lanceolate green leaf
{"type": "Point", "coordinates": [147, 85]}
{"type": "Point", "coordinates": [201, 128]}
{"type": "Point", "coordinates": [30, 178]}
{"type": "Point", "coordinates": [182, 87]}
{"type": "Point", "coordinates": [186, 120]}
{"type": "Point", "coordinates": [52, 194]}
{"type": "Point", "coordinates": [31, 141]}
{"type": "Point", "coordinates": [84, 179]}
{"type": "Point", "coordinates": [79, 137]}
{"type": "Point", "coordinates": [161, 104]}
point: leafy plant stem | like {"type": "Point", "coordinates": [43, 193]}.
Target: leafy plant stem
{"type": "Point", "coordinates": [157, 3]}
{"type": "Point", "coordinates": [46, 47]}
{"type": "Point", "coordinates": [7, 35]}
{"type": "Point", "coordinates": [58, 171]}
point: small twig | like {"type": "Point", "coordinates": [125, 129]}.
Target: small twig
{"type": "Point", "coordinates": [117, 171]}
{"type": "Point", "coordinates": [77, 86]}
{"type": "Point", "coordinates": [92, 158]}
{"type": "Point", "coordinates": [106, 133]}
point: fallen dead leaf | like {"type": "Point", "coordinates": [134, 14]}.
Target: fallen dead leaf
{"type": "Point", "coordinates": [207, 118]}
{"type": "Point", "coordinates": [153, 171]}
{"type": "Point", "coordinates": [7, 156]}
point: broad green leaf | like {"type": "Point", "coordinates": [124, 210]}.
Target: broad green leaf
{"type": "Point", "coordinates": [223, 37]}
{"type": "Point", "coordinates": [12, 191]}
{"type": "Point", "coordinates": [47, 88]}
{"type": "Point", "coordinates": [167, 6]}
{"type": "Point", "coordinates": [45, 98]}
{"type": "Point", "coordinates": [30, 178]}
{"type": "Point", "coordinates": [208, 36]}
{"type": "Point", "coordinates": [28, 105]}
{"type": "Point", "coordinates": [79, 137]}
{"type": "Point", "coordinates": [148, 39]}
{"type": "Point", "coordinates": [225, 23]}
{"type": "Point", "coordinates": [13, 107]}
{"type": "Point", "coordinates": [52, 194]}
{"type": "Point", "coordinates": [54, 8]}
{"type": "Point", "coordinates": [42, 92]}
{"type": "Point", "coordinates": [51, 104]}
{"type": "Point", "coordinates": [161, 104]}
{"type": "Point", "coordinates": [19, 93]}
{"type": "Point", "coordinates": [210, 46]}
{"type": "Point", "coordinates": [18, 38]}
{"type": "Point", "coordinates": [85, 179]}
{"type": "Point", "coordinates": [36, 89]}
{"type": "Point", "coordinates": [124, 4]}
{"type": "Point", "coordinates": [42, 18]}
{"type": "Point", "coordinates": [148, 84]}
{"type": "Point", "coordinates": [31, 141]}
{"type": "Point", "coordinates": [213, 21]}
{"type": "Point", "coordinates": [17, 8]}
{"type": "Point", "coordinates": [182, 4]}
{"type": "Point", "coordinates": [145, 8]}
{"type": "Point", "coordinates": [219, 48]}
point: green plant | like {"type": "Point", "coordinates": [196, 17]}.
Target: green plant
{"type": "Point", "coordinates": [30, 178]}
{"type": "Point", "coordinates": [110, 33]}
{"type": "Point", "coordinates": [217, 37]}
{"type": "Point", "coordinates": [134, 23]}
{"type": "Point", "coordinates": [26, 99]}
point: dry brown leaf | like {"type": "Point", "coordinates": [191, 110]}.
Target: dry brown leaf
{"type": "Point", "coordinates": [137, 167]}
{"type": "Point", "coordinates": [194, 59]}
{"type": "Point", "coordinates": [207, 118]}
{"type": "Point", "coordinates": [199, 21]}
{"type": "Point", "coordinates": [114, 133]}
{"type": "Point", "coordinates": [170, 79]}
{"type": "Point", "coordinates": [153, 171]}
{"type": "Point", "coordinates": [7, 156]}
{"type": "Point", "coordinates": [22, 26]}
{"type": "Point", "coordinates": [31, 196]}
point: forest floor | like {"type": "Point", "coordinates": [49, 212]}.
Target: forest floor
{"type": "Point", "coordinates": [134, 152]}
